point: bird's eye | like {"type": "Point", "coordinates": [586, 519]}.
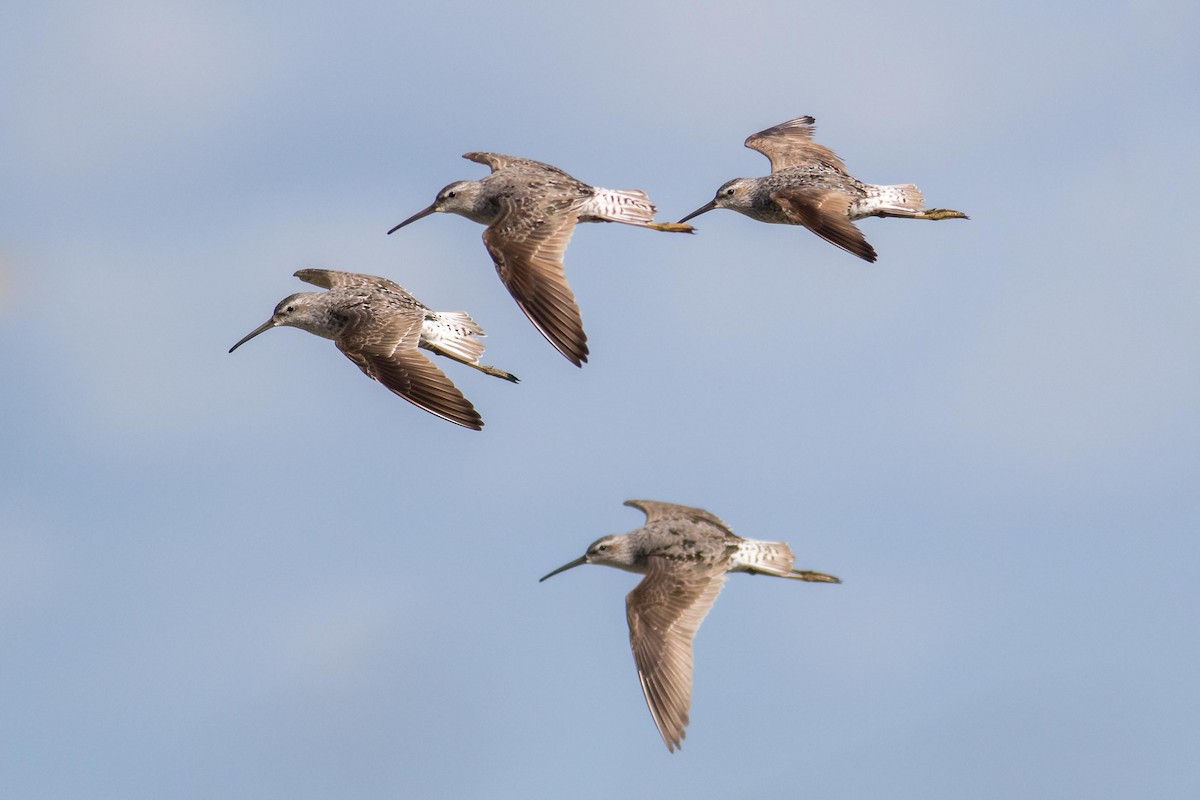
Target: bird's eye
{"type": "Point", "coordinates": [451, 194]}
{"type": "Point", "coordinates": [601, 548]}
{"type": "Point", "coordinates": [729, 192]}
{"type": "Point", "coordinates": [290, 309]}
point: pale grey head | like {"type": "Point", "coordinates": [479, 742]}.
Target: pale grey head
{"type": "Point", "coordinates": [616, 550]}
{"type": "Point", "coordinates": [465, 198]}
{"type": "Point", "coordinates": [305, 310]}
{"type": "Point", "coordinates": [379, 326]}
{"type": "Point", "coordinates": [737, 195]}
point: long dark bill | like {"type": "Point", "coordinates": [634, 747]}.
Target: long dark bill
{"type": "Point", "coordinates": [425, 212]}
{"type": "Point", "coordinates": [565, 567]}
{"type": "Point", "coordinates": [709, 206]}
{"type": "Point", "coordinates": [266, 326]}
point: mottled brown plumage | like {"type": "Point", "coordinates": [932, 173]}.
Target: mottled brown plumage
{"type": "Point", "coordinates": [685, 553]}
{"type": "Point", "coordinates": [809, 186]}
{"type": "Point", "coordinates": [531, 210]}
{"type": "Point", "coordinates": [378, 325]}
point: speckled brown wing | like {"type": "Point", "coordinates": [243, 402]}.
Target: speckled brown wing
{"type": "Point", "coordinates": [664, 612]}
{"type": "Point", "coordinates": [656, 510]}
{"type": "Point", "coordinates": [527, 242]}
{"type": "Point", "coordinates": [823, 211]}
{"type": "Point", "coordinates": [387, 351]}
{"type": "Point", "coordinates": [790, 144]}
{"type": "Point", "coordinates": [499, 161]}
{"type": "Point", "coordinates": [336, 279]}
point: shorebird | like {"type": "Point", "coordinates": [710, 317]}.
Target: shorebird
{"type": "Point", "coordinates": [684, 553]}
{"type": "Point", "coordinates": [809, 186]}
{"type": "Point", "coordinates": [379, 326]}
{"type": "Point", "coordinates": [530, 210]}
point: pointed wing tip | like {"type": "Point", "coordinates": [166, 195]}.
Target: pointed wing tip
{"type": "Point", "coordinates": [470, 423]}
{"type": "Point", "coordinates": [317, 277]}
{"type": "Point", "coordinates": [467, 417]}
{"type": "Point", "coordinates": [576, 353]}
{"type": "Point", "coordinates": [805, 121]}
{"type": "Point", "coordinates": [493, 161]}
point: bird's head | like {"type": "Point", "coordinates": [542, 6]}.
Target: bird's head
{"type": "Point", "coordinates": [735, 194]}
{"type": "Point", "coordinates": [294, 310]}
{"type": "Point", "coordinates": [612, 551]}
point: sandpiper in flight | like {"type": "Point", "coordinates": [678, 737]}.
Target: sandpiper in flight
{"type": "Point", "coordinates": [809, 186]}
{"type": "Point", "coordinates": [530, 210]}
{"type": "Point", "coordinates": [379, 326]}
{"type": "Point", "coordinates": [684, 553]}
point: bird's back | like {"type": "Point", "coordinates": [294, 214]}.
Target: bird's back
{"type": "Point", "coordinates": [696, 543]}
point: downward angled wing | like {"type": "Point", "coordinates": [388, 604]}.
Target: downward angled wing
{"type": "Point", "coordinates": [823, 212]}
{"type": "Point", "coordinates": [664, 612]}
{"type": "Point", "coordinates": [527, 245]}
{"type": "Point", "coordinates": [388, 353]}
{"type": "Point", "coordinates": [790, 144]}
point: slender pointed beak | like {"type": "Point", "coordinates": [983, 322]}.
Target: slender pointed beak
{"type": "Point", "coordinates": [565, 567]}
{"type": "Point", "coordinates": [425, 212]}
{"type": "Point", "coordinates": [266, 326]}
{"type": "Point", "coordinates": [709, 206]}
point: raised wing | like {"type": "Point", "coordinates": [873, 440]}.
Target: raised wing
{"type": "Point", "coordinates": [790, 144]}
{"type": "Point", "coordinates": [656, 510]}
{"type": "Point", "coordinates": [664, 612]}
{"type": "Point", "coordinates": [335, 279]}
{"type": "Point", "coordinates": [499, 161]}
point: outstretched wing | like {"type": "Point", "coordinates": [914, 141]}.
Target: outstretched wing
{"type": "Point", "coordinates": [790, 144]}
{"type": "Point", "coordinates": [527, 242]}
{"type": "Point", "coordinates": [664, 612]}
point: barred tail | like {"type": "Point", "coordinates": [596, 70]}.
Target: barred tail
{"type": "Point", "coordinates": [902, 200]}
{"type": "Point", "coordinates": [453, 333]}
{"type": "Point", "coordinates": [774, 558]}
{"type": "Point", "coordinates": [767, 558]}
{"type": "Point", "coordinates": [631, 206]}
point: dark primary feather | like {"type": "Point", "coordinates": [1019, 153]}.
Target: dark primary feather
{"type": "Point", "coordinates": [790, 144]}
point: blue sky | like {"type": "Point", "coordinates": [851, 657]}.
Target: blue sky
{"type": "Point", "coordinates": [261, 575]}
